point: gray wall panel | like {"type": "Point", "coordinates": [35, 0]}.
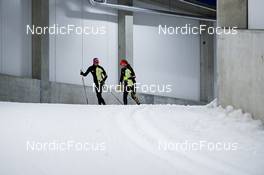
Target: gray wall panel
{"type": "Point", "coordinates": [255, 14]}
{"type": "Point", "coordinates": [17, 89]}
{"type": "Point", "coordinates": [16, 44]}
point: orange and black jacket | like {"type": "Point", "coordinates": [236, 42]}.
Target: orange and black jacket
{"type": "Point", "coordinates": [128, 75]}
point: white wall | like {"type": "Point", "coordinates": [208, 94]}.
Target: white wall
{"type": "Point", "coordinates": [167, 59]}
{"type": "Point", "coordinates": [1, 36]}
{"type": "Point", "coordinates": [256, 14]}
{"type": "Point", "coordinates": [70, 53]}
{"type": "Point", "coordinates": [157, 59]}
{"type": "Point", "coordinates": [15, 47]}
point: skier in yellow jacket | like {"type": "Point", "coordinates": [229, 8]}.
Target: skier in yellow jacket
{"type": "Point", "coordinates": [128, 78]}
{"type": "Point", "coordinates": [99, 77]}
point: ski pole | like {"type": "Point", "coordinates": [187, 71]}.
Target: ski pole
{"type": "Point", "coordinates": [85, 91]}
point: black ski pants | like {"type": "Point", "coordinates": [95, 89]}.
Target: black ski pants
{"type": "Point", "coordinates": [127, 90]}
{"type": "Point", "coordinates": [98, 90]}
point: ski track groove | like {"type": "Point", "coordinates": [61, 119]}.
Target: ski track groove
{"type": "Point", "coordinates": [146, 136]}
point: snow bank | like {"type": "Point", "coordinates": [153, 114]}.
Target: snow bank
{"type": "Point", "coordinates": [129, 140]}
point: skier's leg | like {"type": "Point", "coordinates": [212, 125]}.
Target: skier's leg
{"type": "Point", "coordinates": [125, 95]}
{"type": "Point", "coordinates": [98, 91]}
{"type": "Point", "coordinates": [102, 100]}
{"type": "Point", "coordinates": [100, 96]}
{"type": "Point", "coordinates": [133, 95]}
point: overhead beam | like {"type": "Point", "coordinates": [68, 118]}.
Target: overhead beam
{"type": "Point", "coordinates": [124, 7]}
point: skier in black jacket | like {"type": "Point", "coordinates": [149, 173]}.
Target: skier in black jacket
{"type": "Point", "coordinates": [99, 77]}
{"type": "Point", "coordinates": [128, 78]}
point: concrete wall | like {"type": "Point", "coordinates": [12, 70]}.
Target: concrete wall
{"type": "Point", "coordinates": [241, 71]}
{"type": "Point", "coordinates": [241, 57]}
{"type": "Point", "coordinates": [17, 89]}
{"type": "Point", "coordinates": [232, 13]}
{"type": "Point", "coordinates": [74, 94]}
{"type": "Point", "coordinates": [15, 44]}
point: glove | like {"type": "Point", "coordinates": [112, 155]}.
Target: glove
{"type": "Point", "coordinates": [132, 78]}
{"type": "Point", "coordinates": [81, 72]}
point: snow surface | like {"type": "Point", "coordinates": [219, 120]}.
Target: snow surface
{"type": "Point", "coordinates": [132, 137]}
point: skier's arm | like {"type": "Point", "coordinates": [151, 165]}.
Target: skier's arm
{"type": "Point", "coordinates": [121, 76]}
{"type": "Point", "coordinates": [87, 72]}
{"type": "Point", "coordinates": [104, 74]}
{"type": "Point", "coordinates": [133, 75]}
